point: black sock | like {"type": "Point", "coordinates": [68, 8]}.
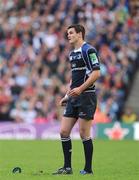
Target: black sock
{"type": "Point", "coordinates": [67, 150]}
{"type": "Point", "coordinates": [88, 152]}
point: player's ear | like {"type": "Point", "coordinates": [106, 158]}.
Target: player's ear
{"type": "Point", "coordinates": [80, 35]}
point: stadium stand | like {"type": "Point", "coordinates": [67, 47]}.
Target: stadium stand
{"type": "Point", "coordinates": [34, 69]}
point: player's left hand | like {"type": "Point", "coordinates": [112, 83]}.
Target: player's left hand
{"type": "Point", "coordinates": [75, 92]}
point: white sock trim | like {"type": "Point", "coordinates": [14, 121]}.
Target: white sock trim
{"type": "Point", "coordinates": [65, 139]}
{"type": "Point", "coordinates": [86, 139]}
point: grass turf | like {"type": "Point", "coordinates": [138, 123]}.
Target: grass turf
{"type": "Point", "coordinates": [112, 160]}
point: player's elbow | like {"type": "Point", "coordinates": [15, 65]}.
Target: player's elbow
{"type": "Point", "coordinates": [98, 74]}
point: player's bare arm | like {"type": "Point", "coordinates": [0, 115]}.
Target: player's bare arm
{"type": "Point", "coordinates": [63, 101]}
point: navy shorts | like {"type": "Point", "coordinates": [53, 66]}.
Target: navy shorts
{"type": "Point", "coordinates": [82, 106]}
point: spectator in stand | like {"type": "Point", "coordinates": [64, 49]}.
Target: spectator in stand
{"type": "Point", "coordinates": [40, 118]}
{"type": "Point", "coordinates": [33, 51]}
{"type": "Point", "coordinates": [128, 116]}
{"type": "Point", "coordinates": [101, 117]}
{"type": "Point", "coordinates": [5, 114]}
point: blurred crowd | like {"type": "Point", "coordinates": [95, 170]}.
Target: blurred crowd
{"type": "Point", "coordinates": [34, 67]}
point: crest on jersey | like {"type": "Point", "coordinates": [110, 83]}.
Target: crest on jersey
{"type": "Point", "coordinates": [73, 65]}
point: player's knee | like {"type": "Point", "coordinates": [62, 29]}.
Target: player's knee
{"type": "Point", "coordinates": [64, 133]}
{"type": "Point", "coordinates": [83, 133]}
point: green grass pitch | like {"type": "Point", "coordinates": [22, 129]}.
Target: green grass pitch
{"type": "Point", "coordinates": [113, 160]}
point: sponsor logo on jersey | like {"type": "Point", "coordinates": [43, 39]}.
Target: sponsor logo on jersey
{"type": "Point", "coordinates": [75, 57]}
{"type": "Point", "coordinates": [93, 58]}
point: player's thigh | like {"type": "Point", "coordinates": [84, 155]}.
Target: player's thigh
{"type": "Point", "coordinates": [67, 124]}
{"type": "Point", "coordinates": [85, 128]}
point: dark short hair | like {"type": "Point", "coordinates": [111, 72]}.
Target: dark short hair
{"type": "Point", "coordinates": [78, 28]}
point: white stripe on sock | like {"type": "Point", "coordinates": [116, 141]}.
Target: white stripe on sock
{"type": "Point", "coordinates": [65, 139]}
{"type": "Point", "coordinates": [86, 139]}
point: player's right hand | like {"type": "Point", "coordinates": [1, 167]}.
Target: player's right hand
{"type": "Point", "coordinates": [63, 101]}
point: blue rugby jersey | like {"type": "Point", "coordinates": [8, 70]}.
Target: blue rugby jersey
{"type": "Point", "coordinates": [83, 61]}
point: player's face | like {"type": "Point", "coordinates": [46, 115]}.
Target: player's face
{"type": "Point", "coordinates": [72, 36]}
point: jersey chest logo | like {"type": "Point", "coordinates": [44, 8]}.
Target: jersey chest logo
{"type": "Point", "coordinates": [75, 57]}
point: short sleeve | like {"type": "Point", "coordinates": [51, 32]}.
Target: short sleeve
{"type": "Point", "coordinates": [93, 59]}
